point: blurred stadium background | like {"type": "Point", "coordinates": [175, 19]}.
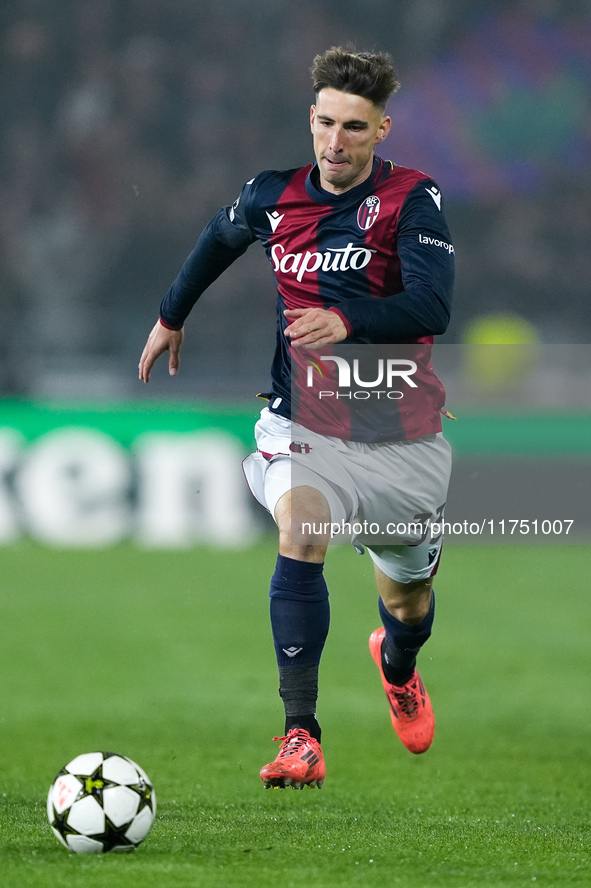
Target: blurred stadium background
{"type": "Point", "coordinates": [125, 125]}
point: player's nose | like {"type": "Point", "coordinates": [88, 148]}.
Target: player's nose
{"type": "Point", "coordinates": [336, 140]}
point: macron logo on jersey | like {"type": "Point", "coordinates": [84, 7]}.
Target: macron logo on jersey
{"type": "Point", "coordinates": [436, 195]}
{"type": "Point", "coordinates": [274, 219]}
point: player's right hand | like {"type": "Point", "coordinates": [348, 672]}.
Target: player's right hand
{"type": "Point", "coordinates": [161, 339]}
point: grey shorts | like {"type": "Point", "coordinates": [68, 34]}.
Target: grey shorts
{"type": "Point", "coordinates": [388, 498]}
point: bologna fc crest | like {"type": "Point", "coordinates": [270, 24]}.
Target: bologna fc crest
{"type": "Point", "coordinates": [368, 212]}
{"type": "Point", "coordinates": [299, 447]}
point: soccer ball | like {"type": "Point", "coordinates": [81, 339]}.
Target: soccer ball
{"type": "Point", "coordinates": [99, 802]}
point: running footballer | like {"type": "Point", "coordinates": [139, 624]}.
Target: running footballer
{"type": "Point", "coordinates": [362, 256]}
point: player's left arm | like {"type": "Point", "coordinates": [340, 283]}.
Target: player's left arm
{"type": "Point", "coordinates": [427, 266]}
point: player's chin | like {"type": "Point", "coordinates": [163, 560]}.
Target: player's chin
{"type": "Point", "coordinates": [340, 178]}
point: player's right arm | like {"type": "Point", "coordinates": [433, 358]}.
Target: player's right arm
{"type": "Point", "coordinates": [226, 237]}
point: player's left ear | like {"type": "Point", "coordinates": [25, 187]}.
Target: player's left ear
{"type": "Point", "coordinates": [383, 129]}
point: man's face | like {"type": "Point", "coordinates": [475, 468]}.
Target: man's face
{"type": "Point", "coordinates": [346, 128]}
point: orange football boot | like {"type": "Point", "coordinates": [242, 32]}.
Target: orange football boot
{"type": "Point", "coordinates": [299, 763]}
{"type": "Point", "coordinates": [410, 707]}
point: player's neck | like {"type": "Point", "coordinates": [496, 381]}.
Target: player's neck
{"type": "Point", "coordinates": [332, 190]}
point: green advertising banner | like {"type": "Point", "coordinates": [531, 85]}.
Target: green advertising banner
{"type": "Point", "coordinates": [78, 475]}
{"type": "Point", "coordinates": [169, 475]}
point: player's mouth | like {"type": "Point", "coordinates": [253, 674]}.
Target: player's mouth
{"type": "Point", "coordinates": [335, 163]}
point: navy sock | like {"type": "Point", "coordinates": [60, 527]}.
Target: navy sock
{"type": "Point", "coordinates": [402, 644]}
{"type": "Point", "coordinates": [300, 617]}
{"type": "Point", "coordinates": [300, 613]}
{"type": "Point", "coordinates": [307, 722]}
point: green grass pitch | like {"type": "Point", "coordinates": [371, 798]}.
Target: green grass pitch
{"type": "Point", "coordinates": [167, 658]}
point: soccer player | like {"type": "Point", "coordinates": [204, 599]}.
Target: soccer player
{"type": "Point", "coordinates": [361, 254]}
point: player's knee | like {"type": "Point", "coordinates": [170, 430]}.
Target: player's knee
{"type": "Point", "coordinates": [408, 602]}
{"type": "Point", "coordinates": [303, 518]}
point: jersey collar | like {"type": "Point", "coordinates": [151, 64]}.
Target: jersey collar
{"type": "Point", "coordinates": [315, 191]}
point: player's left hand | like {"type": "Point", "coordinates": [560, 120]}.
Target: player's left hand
{"type": "Point", "coordinates": [314, 326]}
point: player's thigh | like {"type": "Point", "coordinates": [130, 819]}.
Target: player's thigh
{"type": "Point", "coordinates": [276, 469]}
{"type": "Point", "coordinates": [404, 491]}
{"type": "Point", "coordinates": [406, 565]}
{"type": "Point", "coordinates": [405, 498]}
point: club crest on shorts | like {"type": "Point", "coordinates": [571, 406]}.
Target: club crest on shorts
{"type": "Point", "coordinates": [299, 447]}
{"type": "Point", "coordinates": [368, 212]}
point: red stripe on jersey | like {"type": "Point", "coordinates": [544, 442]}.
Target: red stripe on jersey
{"type": "Point", "coordinates": [391, 187]}
{"type": "Point", "coordinates": [293, 245]}
{"type": "Point", "coordinates": [295, 261]}
{"type": "Point", "coordinates": [316, 407]}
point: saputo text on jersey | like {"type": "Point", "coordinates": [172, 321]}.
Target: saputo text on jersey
{"type": "Point", "coordinates": [333, 259]}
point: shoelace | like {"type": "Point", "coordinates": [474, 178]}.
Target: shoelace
{"type": "Point", "coordinates": [408, 703]}
{"type": "Point", "coordinates": [295, 740]}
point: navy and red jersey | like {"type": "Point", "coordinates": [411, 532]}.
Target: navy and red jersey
{"type": "Point", "coordinates": [379, 254]}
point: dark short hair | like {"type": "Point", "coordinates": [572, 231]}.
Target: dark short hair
{"type": "Point", "coordinates": [366, 74]}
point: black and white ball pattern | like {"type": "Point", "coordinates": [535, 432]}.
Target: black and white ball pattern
{"type": "Point", "coordinates": [99, 802]}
